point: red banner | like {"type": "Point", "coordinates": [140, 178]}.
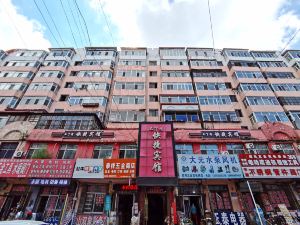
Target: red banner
{"type": "Point", "coordinates": [41, 168]}
{"type": "Point", "coordinates": [269, 165]}
{"type": "Point", "coordinates": [14, 167]}
{"type": "Point", "coordinates": [119, 168]}
{"type": "Point", "coordinates": [52, 168]}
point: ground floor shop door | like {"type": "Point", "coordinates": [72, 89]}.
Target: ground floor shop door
{"type": "Point", "coordinates": [193, 208]}
{"type": "Point", "coordinates": [125, 209]}
{"type": "Point", "coordinates": [156, 209]}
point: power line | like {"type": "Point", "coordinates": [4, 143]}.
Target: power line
{"type": "Point", "coordinates": [86, 28]}
{"type": "Point", "coordinates": [107, 23]}
{"type": "Point", "coordinates": [53, 23]}
{"type": "Point", "coordinates": [75, 22]}
{"type": "Point", "coordinates": [68, 23]}
{"type": "Point", "coordinates": [46, 22]}
{"type": "Point", "coordinates": [211, 26]}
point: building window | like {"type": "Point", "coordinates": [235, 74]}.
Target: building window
{"type": "Point", "coordinates": [220, 198]}
{"type": "Point", "coordinates": [258, 117]}
{"type": "Point", "coordinates": [152, 85]}
{"type": "Point", "coordinates": [94, 202]}
{"type": "Point", "coordinates": [235, 148]}
{"type": "Point", "coordinates": [103, 151]}
{"type": "Point", "coordinates": [181, 116]}
{"type": "Point", "coordinates": [184, 148]}
{"type": "Point", "coordinates": [153, 112]}
{"type": "Point", "coordinates": [126, 116]}
{"type": "Point", "coordinates": [214, 100]}
{"type": "Point", "coordinates": [285, 148]}
{"type": "Point", "coordinates": [127, 151]}
{"type": "Point", "coordinates": [153, 98]}
{"type": "Point", "coordinates": [259, 148]}
{"type": "Point", "coordinates": [67, 151]}
{"type": "Point", "coordinates": [35, 148]}
{"type": "Point", "coordinates": [210, 149]}
{"type": "Point", "coordinates": [7, 150]}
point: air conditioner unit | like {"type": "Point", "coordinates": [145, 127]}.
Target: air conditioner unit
{"type": "Point", "coordinates": [249, 145]}
{"type": "Point", "coordinates": [298, 147]}
{"type": "Point", "coordinates": [276, 147]}
{"type": "Point", "coordinates": [18, 154]}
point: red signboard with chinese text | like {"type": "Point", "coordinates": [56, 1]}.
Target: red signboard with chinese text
{"type": "Point", "coordinates": [269, 165]}
{"type": "Point", "coordinates": [52, 168]}
{"type": "Point", "coordinates": [156, 150]}
{"type": "Point", "coordinates": [40, 168]}
{"type": "Point", "coordinates": [119, 168]}
{"type": "Point", "coordinates": [14, 167]}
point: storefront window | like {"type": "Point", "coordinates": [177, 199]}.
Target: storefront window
{"type": "Point", "coordinates": [34, 148]}
{"type": "Point", "coordinates": [219, 197]}
{"type": "Point", "coordinates": [235, 148]}
{"type": "Point", "coordinates": [7, 149]}
{"type": "Point", "coordinates": [127, 151]}
{"type": "Point", "coordinates": [94, 202]}
{"type": "Point", "coordinates": [67, 151]}
{"type": "Point", "coordinates": [209, 149]}
{"type": "Point", "coordinates": [103, 151]}
{"type": "Point", "coordinates": [184, 149]}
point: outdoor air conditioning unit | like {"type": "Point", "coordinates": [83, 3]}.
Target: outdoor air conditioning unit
{"type": "Point", "coordinates": [18, 154]}
{"type": "Point", "coordinates": [298, 147]}
{"type": "Point", "coordinates": [249, 145]}
{"type": "Point", "coordinates": [276, 147]}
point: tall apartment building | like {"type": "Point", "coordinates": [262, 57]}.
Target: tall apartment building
{"type": "Point", "coordinates": [149, 130]}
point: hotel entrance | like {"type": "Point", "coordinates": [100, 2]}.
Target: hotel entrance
{"type": "Point", "coordinates": [157, 210]}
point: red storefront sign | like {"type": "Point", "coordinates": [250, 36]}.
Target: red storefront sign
{"type": "Point", "coordinates": [119, 168]}
{"type": "Point", "coordinates": [52, 168]}
{"type": "Point", "coordinates": [14, 167]}
{"type": "Point", "coordinates": [41, 168]}
{"type": "Point", "coordinates": [156, 150]}
{"type": "Point", "coordinates": [269, 165]}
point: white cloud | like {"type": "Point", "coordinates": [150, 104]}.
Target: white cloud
{"type": "Point", "coordinates": [31, 31]}
{"type": "Point", "coordinates": [254, 24]}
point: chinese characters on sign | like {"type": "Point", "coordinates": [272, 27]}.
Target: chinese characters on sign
{"type": "Point", "coordinates": [50, 182]}
{"type": "Point", "coordinates": [269, 165]}
{"type": "Point", "coordinates": [119, 168]}
{"type": "Point", "coordinates": [14, 167]}
{"type": "Point", "coordinates": [88, 168]}
{"type": "Point", "coordinates": [230, 218]}
{"type": "Point", "coordinates": [220, 134]}
{"type": "Point", "coordinates": [157, 166]}
{"type": "Point", "coordinates": [156, 150]}
{"type": "Point", "coordinates": [192, 166]}
{"type": "Point", "coordinates": [83, 134]}
{"type": "Point", "coordinates": [52, 168]}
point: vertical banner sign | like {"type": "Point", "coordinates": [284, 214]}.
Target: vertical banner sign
{"type": "Point", "coordinates": [156, 150]}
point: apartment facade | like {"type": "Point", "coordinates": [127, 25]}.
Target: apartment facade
{"type": "Point", "coordinates": [100, 133]}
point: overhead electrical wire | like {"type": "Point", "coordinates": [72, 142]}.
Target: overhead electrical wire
{"type": "Point", "coordinates": [86, 28]}
{"type": "Point", "coordinates": [51, 17]}
{"type": "Point", "coordinates": [50, 30]}
{"type": "Point", "coordinates": [69, 24]}
{"type": "Point", "coordinates": [107, 23]}
{"type": "Point", "coordinates": [75, 21]}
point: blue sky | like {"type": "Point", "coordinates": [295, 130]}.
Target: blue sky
{"type": "Point", "coordinates": [253, 24]}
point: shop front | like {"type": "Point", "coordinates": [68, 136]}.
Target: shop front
{"type": "Point", "coordinates": [270, 178]}
{"type": "Point", "coordinates": [207, 186]}
{"type": "Point", "coordinates": [156, 177]}
{"type": "Point", "coordinates": [104, 193]}
{"type": "Point", "coordinates": [43, 189]}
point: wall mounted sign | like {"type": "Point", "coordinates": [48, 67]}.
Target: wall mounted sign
{"type": "Point", "coordinates": [119, 168]}
{"type": "Point", "coordinates": [220, 134]}
{"type": "Point", "coordinates": [51, 168]}
{"type": "Point", "coordinates": [14, 167]}
{"type": "Point", "coordinates": [88, 168]}
{"type": "Point", "coordinates": [230, 218]}
{"type": "Point", "coordinates": [269, 165]}
{"type": "Point", "coordinates": [156, 150]}
{"type": "Point", "coordinates": [40, 168]}
{"type": "Point", "coordinates": [50, 182]}
{"type": "Point", "coordinates": [192, 166]}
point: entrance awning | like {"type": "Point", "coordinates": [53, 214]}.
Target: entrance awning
{"type": "Point", "coordinates": [156, 181]}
